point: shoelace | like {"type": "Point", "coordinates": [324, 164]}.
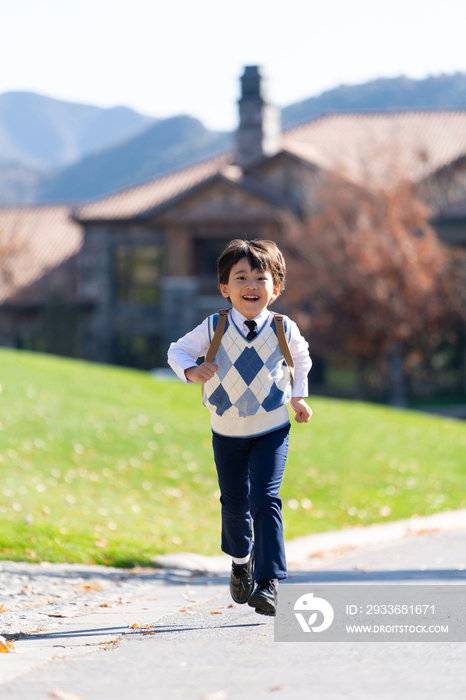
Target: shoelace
{"type": "Point", "coordinates": [239, 570]}
{"type": "Point", "coordinates": [266, 584]}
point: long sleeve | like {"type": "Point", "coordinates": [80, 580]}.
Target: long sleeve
{"type": "Point", "coordinates": [184, 353]}
{"type": "Point", "coordinates": [299, 349]}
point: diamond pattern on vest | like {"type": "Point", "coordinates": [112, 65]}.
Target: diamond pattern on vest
{"type": "Point", "coordinates": [223, 361]}
{"type": "Point", "coordinates": [274, 359]}
{"type": "Point", "coordinates": [247, 404]}
{"type": "Point", "coordinates": [274, 398]}
{"type": "Point", "coordinates": [252, 376]}
{"type": "Point", "coordinates": [219, 398]}
{"type": "Point", "coordinates": [249, 364]}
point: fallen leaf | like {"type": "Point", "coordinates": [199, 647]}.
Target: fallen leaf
{"type": "Point", "coordinates": [6, 647]}
{"type": "Point", "coordinates": [61, 695]}
{"type": "Point", "coordinates": [216, 612]}
{"type": "Point", "coordinates": [186, 610]}
{"type": "Point", "coordinates": [233, 605]}
{"type": "Point", "coordinates": [109, 643]}
{"type": "Point", "coordinates": [3, 608]}
{"type": "Point", "coordinates": [93, 586]}
{"type": "Point", "coordinates": [106, 605]}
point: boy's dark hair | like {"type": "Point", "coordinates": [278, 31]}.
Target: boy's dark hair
{"type": "Point", "coordinates": [261, 255]}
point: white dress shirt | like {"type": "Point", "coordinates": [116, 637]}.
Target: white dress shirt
{"type": "Point", "coordinates": [184, 353]}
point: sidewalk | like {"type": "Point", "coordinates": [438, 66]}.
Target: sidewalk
{"type": "Point", "coordinates": [302, 551]}
{"type": "Point", "coordinates": [97, 632]}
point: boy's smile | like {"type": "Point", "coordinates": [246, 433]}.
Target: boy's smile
{"type": "Point", "coordinates": [250, 291]}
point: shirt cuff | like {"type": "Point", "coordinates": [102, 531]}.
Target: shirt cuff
{"type": "Point", "coordinates": [300, 388]}
{"type": "Point", "coordinates": [179, 371]}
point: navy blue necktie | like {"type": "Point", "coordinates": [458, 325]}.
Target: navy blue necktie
{"type": "Point", "coordinates": [252, 329]}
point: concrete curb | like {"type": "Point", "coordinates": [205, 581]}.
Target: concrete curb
{"type": "Point", "coordinates": [301, 549]}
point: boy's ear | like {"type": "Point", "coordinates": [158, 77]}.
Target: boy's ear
{"type": "Point", "coordinates": [224, 290]}
{"type": "Point", "coordinates": [276, 292]}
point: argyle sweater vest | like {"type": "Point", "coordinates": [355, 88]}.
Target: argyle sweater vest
{"type": "Point", "coordinates": [249, 393]}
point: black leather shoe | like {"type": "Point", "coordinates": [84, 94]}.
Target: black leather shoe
{"type": "Point", "coordinates": [264, 598]}
{"type": "Point", "coordinates": [241, 580]}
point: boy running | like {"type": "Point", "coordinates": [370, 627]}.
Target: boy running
{"type": "Point", "coordinates": [246, 388]}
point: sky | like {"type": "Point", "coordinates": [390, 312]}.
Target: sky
{"type": "Point", "coordinates": [186, 56]}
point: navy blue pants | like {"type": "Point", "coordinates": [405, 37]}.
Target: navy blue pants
{"type": "Point", "coordinates": [250, 472]}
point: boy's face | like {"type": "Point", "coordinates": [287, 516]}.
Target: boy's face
{"type": "Point", "coordinates": [250, 291]}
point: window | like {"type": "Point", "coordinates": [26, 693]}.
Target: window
{"type": "Point", "coordinates": [137, 273]}
{"type": "Point", "coordinates": [208, 251]}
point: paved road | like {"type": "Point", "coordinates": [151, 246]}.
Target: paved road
{"type": "Point", "coordinates": [188, 651]}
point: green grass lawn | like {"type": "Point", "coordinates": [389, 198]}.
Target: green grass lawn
{"type": "Point", "coordinates": [104, 464]}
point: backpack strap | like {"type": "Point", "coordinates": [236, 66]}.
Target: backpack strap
{"type": "Point", "coordinates": [218, 335]}
{"type": "Point", "coordinates": [283, 343]}
{"type": "Point", "coordinates": [281, 337]}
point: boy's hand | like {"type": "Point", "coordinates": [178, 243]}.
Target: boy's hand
{"type": "Point", "coordinates": [301, 409]}
{"type": "Point", "coordinates": [201, 373]}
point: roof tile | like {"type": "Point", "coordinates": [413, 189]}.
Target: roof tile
{"type": "Point", "coordinates": [135, 200]}
{"type": "Point", "coordinates": [381, 146]}
{"type": "Point", "coordinates": [43, 236]}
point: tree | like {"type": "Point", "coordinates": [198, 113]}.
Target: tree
{"type": "Point", "coordinates": [368, 273]}
{"type": "Point", "coordinates": [10, 250]}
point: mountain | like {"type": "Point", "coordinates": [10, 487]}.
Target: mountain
{"type": "Point", "coordinates": [41, 132]}
{"type": "Point", "coordinates": [59, 151]}
{"type": "Point", "coordinates": [18, 183]}
{"type": "Point", "coordinates": [166, 145]}
{"type": "Point", "coordinates": [441, 91]}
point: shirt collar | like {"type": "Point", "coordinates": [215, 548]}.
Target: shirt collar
{"type": "Point", "coordinates": [239, 319]}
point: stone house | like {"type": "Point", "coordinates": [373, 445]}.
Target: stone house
{"type": "Point", "coordinates": [116, 279]}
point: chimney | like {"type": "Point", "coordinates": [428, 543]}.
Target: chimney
{"type": "Point", "coordinates": [258, 134]}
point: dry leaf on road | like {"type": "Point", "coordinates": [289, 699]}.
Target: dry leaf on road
{"type": "Point", "coordinates": [186, 610]}
{"type": "Point", "coordinates": [61, 695]}
{"type": "Point", "coordinates": [6, 647]}
{"type": "Point", "coordinates": [93, 586]}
